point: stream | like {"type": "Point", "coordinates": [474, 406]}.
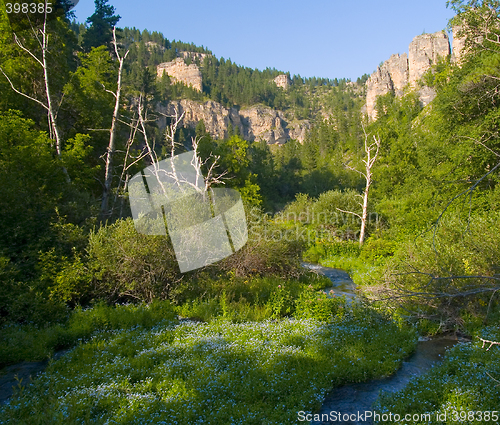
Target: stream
{"type": "Point", "coordinates": [353, 398]}
{"type": "Point", "coordinates": [21, 374]}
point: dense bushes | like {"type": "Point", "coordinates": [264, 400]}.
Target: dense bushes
{"type": "Point", "coordinates": [451, 275]}
{"type": "Point", "coordinates": [127, 265]}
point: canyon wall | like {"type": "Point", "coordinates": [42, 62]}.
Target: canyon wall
{"type": "Point", "coordinates": [254, 123]}
{"type": "Point", "coordinates": [178, 71]}
{"type": "Point", "coordinates": [398, 72]}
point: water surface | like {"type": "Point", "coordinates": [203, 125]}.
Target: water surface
{"type": "Point", "coordinates": [353, 398]}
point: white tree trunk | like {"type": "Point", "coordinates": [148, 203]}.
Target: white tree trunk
{"type": "Point", "coordinates": [371, 157]}
{"type": "Point", "coordinates": [108, 176]}
{"type": "Point", "coordinates": [48, 106]}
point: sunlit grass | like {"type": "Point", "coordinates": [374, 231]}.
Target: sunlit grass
{"type": "Point", "coordinates": [29, 342]}
{"type": "Point", "coordinates": [212, 373]}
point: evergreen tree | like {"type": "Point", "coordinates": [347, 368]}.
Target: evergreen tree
{"type": "Point", "coordinates": [101, 23]}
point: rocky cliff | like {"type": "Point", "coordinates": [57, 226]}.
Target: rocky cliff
{"type": "Point", "coordinates": [254, 123]}
{"type": "Point", "coordinates": [398, 72]}
{"type": "Point", "coordinates": [424, 51]}
{"type": "Point", "coordinates": [392, 76]}
{"type": "Point", "coordinates": [193, 55]}
{"type": "Point", "coordinates": [178, 71]}
{"type": "Point", "coordinates": [283, 81]}
{"type": "Point", "coordinates": [458, 45]}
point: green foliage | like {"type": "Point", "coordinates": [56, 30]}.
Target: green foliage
{"type": "Point", "coordinates": [27, 212]}
{"type": "Point", "coordinates": [65, 279]}
{"type": "Point", "coordinates": [270, 251]}
{"type": "Point", "coordinates": [235, 159]}
{"type": "Point", "coordinates": [323, 214]}
{"type": "Point", "coordinates": [375, 249]}
{"type": "Point", "coordinates": [100, 29]}
{"type": "Point", "coordinates": [32, 343]}
{"type": "Point", "coordinates": [76, 158]}
{"type": "Point", "coordinates": [218, 370]}
{"type": "Point", "coordinates": [318, 306]}
{"type": "Point", "coordinates": [281, 302]}
{"type": "Point", "coordinates": [230, 84]}
{"type": "Point", "coordinates": [26, 72]}
{"type": "Point", "coordinates": [86, 99]}
{"type": "Point", "coordinates": [128, 265]}
{"type": "Point", "coordinates": [451, 272]}
{"type": "Point", "coordinates": [330, 229]}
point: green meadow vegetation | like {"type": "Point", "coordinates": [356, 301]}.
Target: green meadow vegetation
{"type": "Point", "coordinates": [137, 364]}
{"type": "Point", "coordinates": [253, 338]}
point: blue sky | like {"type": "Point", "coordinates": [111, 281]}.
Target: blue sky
{"type": "Point", "coordinates": [322, 38]}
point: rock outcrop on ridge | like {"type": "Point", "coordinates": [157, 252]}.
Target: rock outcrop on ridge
{"type": "Point", "coordinates": [404, 70]}
{"type": "Point", "coordinates": [178, 71]}
{"type": "Point", "coordinates": [283, 81]}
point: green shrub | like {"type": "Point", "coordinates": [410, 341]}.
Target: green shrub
{"type": "Point", "coordinates": [448, 276]}
{"type": "Point", "coordinates": [127, 265]}
{"type": "Point", "coordinates": [271, 250]}
{"type": "Point", "coordinates": [281, 302]}
{"type": "Point", "coordinates": [316, 305]}
{"type": "Point", "coordinates": [377, 249]}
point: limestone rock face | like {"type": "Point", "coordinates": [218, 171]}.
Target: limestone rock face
{"type": "Point", "coordinates": [400, 71]}
{"type": "Point", "coordinates": [378, 84]}
{"type": "Point", "coordinates": [424, 51]}
{"type": "Point", "coordinates": [262, 123]}
{"type": "Point", "coordinates": [392, 76]}
{"type": "Point", "coordinates": [458, 45]}
{"type": "Point", "coordinates": [283, 81]}
{"type": "Point", "coordinates": [151, 46]}
{"type": "Point", "coordinates": [426, 95]}
{"type": "Point", "coordinates": [215, 116]}
{"type": "Point", "coordinates": [254, 123]}
{"type": "Point", "coordinates": [178, 71]}
{"type": "Point", "coordinates": [397, 66]}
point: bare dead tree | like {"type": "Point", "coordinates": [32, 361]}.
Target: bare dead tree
{"type": "Point", "coordinates": [108, 176]}
{"type": "Point", "coordinates": [201, 184]}
{"type": "Point", "coordinates": [42, 37]}
{"type": "Point", "coordinates": [371, 151]}
{"type": "Point", "coordinates": [125, 176]}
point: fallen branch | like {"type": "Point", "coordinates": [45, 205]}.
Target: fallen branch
{"type": "Point", "coordinates": [487, 341]}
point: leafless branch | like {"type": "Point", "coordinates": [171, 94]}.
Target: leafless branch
{"type": "Point", "coordinates": [487, 341]}
{"type": "Point", "coordinates": [371, 157]}
{"type": "Point", "coordinates": [350, 212]}
{"type": "Point", "coordinates": [21, 93]}
{"type": "Point", "coordinates": [108, 177]}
